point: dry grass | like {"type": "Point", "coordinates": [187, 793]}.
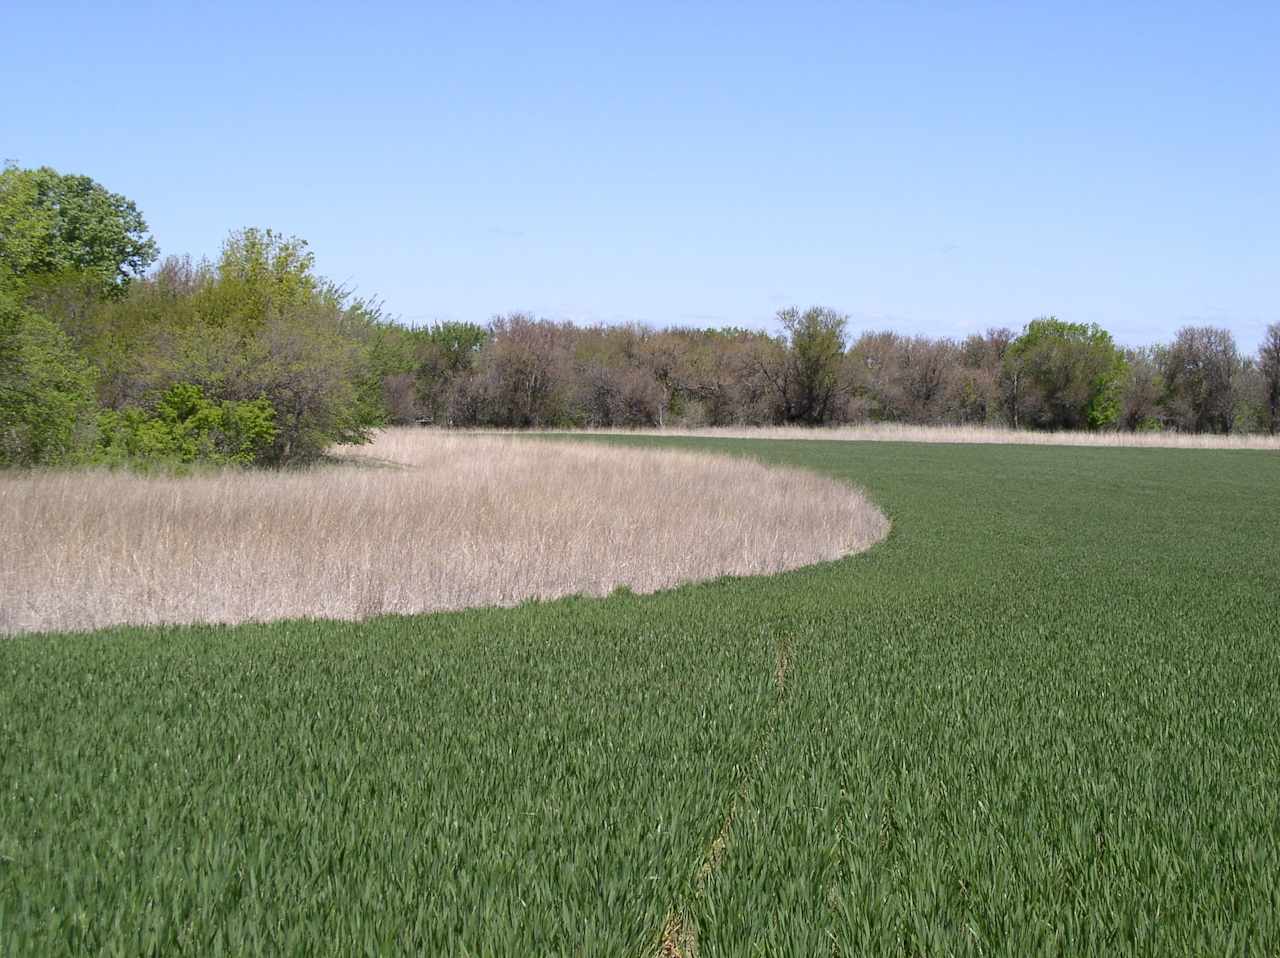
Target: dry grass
{"type": "Point", "coordinates": [451, 521]}
{"type": "Point", "coordinates": [892, 432]}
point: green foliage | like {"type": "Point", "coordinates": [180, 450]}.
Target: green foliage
{"type": "Point", "coordinates": [54, 224]}
{"type": "Point", "coordinates": [186, 428]}
{"type": "Point", "coordinates": [456, 343]}
{"type": "Point", "coordinates": [261, 274]}
{"type": "Point", "coordinates": [46, 392]}
{"type": "Point", "coordinates": [809, 381]}
{"type": "Point", "coordinates": [1065, 375]}
{"type": "Point", "coordinates": [389, 386]}
{"type": "Point", "coordinates": [414, 372]}
{"type": "Point", "coordinates": [1038, 719]}
{"type": "Point", "coordinates": [258, 324]}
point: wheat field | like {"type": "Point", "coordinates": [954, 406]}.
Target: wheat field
{"type": "Point", "coordinates": [418, 521]}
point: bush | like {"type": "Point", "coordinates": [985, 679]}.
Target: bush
{"type": "Point", "coordinates": [186, 428]}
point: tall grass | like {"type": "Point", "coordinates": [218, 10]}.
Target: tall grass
{"type": "Point", "coordinates": [419, 521]}
{"type": "Point", "coordinates": [904, 432]}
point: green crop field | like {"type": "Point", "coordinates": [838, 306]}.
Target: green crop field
{"type": "Point", "coordinates": [1043, 717]}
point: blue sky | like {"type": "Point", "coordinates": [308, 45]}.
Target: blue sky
{"type": "Point", "coordinates": [932, 168]}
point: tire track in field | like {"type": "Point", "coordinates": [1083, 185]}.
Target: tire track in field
{"type": "Point", "coordinates": [679, 935]}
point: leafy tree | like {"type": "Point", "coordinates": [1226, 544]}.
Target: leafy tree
{"type": "Point", "coordinates": [54, 224]}
{"type": "Point", "coordinates": [1064, 375]}
{"type": "Point", "coordinates": [1249, 399]}
{"type": "Point", "coordinates": [817, 341]}
{"type": "Point", "coordinates": [807, 379]}
{"type": "Point", "coordinates": [46, 391]}
{"type": "Point", "coordinates": [456, 343]}
{"type": "Point", "coordinates": [146, 340]}
{"type": "Point", "coordinates": [262, 274]}
{"type": "Point", "coordinates": [310, 371]}
{"type": "Point", "coordinates": [389, 382]}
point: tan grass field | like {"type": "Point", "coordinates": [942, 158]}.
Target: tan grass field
{"type": "Point", "coordinates": [892, 432]}
{"type": "Point", "coordinates": [418, 521]}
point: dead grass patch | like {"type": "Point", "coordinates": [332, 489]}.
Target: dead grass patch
{"type": "Point", "coordinates": [464, 520]}
{"type": "Point", "coordinates": [892, 432]}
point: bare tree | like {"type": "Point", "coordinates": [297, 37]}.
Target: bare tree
{"type": "Point", "coordinates": [1269, 364]}
{"type": "Point", "coordinates": [872, 374]}
{"type": "Point", "coordinates": [1140, 394]}
{"type": "Point", "coordinates": [1199, 369]}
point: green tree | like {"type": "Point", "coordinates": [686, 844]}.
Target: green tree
{"type": "Point", "coordinates": [256, 324]}
{"type": "Point", "coordinates": [260, 274]}
{"type": "Point", "coordinates": [46, 391]}
{"type": "Point", "coordinates": [1064, 376]}
{"type": "Point", "coordinates": [807, 378]}
{"type": "Point", "coordinates": [54, 225]}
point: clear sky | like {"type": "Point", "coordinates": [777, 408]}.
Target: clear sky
{"type": "Point", "coordinates": [929, 167]}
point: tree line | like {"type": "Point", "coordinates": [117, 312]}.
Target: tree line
{"type": "Point", "coordinates": [108, 356]}
{"type": "Point", "coordinates": [520, 371]}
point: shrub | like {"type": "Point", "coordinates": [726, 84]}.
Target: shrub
{"type": "Point", "coordinates": [186, 428]}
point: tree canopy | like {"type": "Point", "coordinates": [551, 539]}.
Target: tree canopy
{"type": "Point", "coordinates": [1064, 375]}
{"type": "Point", "coordinates": [807, 376]}
{"type": "Point", "coordinates": [46, 391]}
{"type": "Point", "coordinates": [54, 224]}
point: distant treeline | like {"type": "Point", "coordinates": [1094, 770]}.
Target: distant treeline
{"type": "Point", "coordinates": [520, 371]}
{"type": "Point", "coordinates": [106, 357]}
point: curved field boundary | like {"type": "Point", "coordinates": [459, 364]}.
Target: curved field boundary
{"type": "Point", "coordinates": [1041, 718]}
{"type": "Point", "coordinates": [444, 522]}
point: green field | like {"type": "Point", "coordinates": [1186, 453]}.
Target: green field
{"type": "Point", "coordinates": [1043, 717]}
